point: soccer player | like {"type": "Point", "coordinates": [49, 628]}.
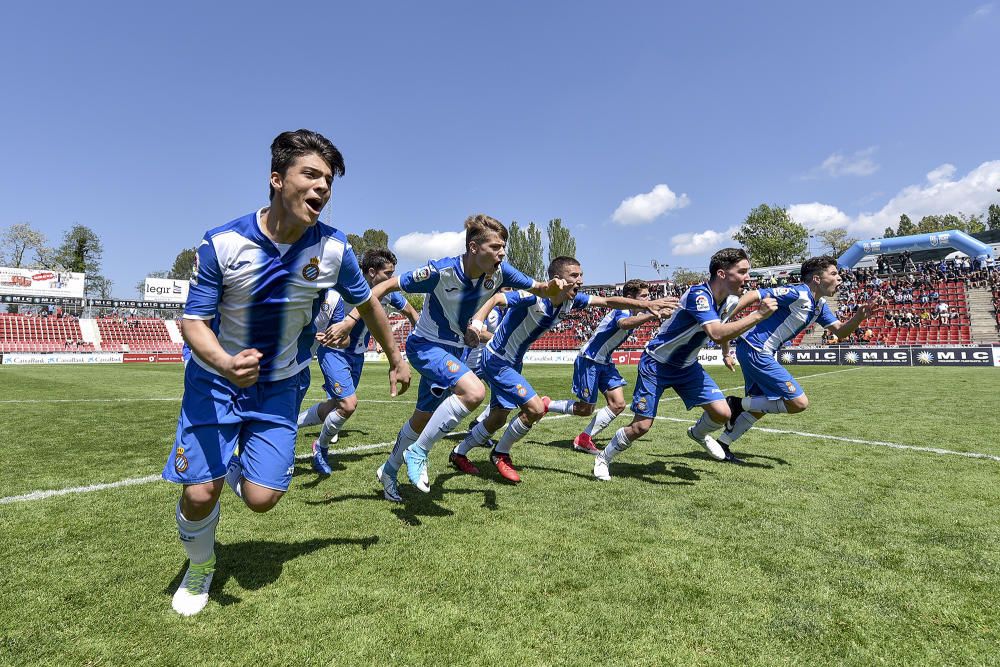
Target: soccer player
{"type": "Point", "coordinates": [474, 357]}
{"type": "Point", "coordinates": [670, 359]}
{"type": "Point", "coordinates": [526, 319]}
{"type": "Point", "coordinates": [593, 370]}
{"type": "Point", "coordinates": [258, 283]}
{"type": "Point", "coordinates": [342, 367]}
{"type": "Point", "coordinates": [456, 287]}
{"type": "Point", "coordinates": [770, 388]}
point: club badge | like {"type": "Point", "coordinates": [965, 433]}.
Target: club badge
{"type": "Point", "coordinates": [311, 270]}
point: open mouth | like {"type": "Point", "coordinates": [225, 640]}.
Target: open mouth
{"type": "Point", "coordinates": [315, 204]}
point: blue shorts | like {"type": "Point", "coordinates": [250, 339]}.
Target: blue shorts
{"type": "Point", "coordinates": [216, 416]}
{"type": "Point", "coordinates": [440, 367]}
{"type": "Point", "coordinates": [341, 371]}
{"type": "Point", "coordinates": [508, 388]}
{"type": "Point", "coordinates": [590, 377]}
{"type": "Point", "coordinates": [692, 384]}
{"type": "Point", "coordinates": [764, 376]}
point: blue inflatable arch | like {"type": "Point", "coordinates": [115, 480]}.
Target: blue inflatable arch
{"type": "Point", "coordinates": [953, 239]}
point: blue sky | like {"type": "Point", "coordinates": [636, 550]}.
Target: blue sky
{"type": "Point", "coordinates": [151, 124]}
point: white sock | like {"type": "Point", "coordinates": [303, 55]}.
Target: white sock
{"type": "Point", "coordinates": [445, 418]}
{"type": "Point", "coordinates": [406, 437]}
{"type": "Point", "coordinates": [198, 536]}
{"type": "Point", "coordinates": [762, 404]}
{"type": "Point", "coordinates": [484, 414]}
{"type": "Point", "coordinates": [600, 421]}
{"type": "Point", "coordinates": [234, 475]}
{"type": "Point", "coordinates": [331, 427]}
{"type": "Point", "coordinates": [477, 438]}
{"type": "Point", "coordinates": [563, 406]}
{"type": "Point", "coordinates": [619, 443]}
{"type": "Point", "coordinates": [309, 417]}
{"type": "Point", "coordinates": [742, 425]}
{"type": "Point", "coordinates": [705, 426]}
{"type": "Point", "coordinates": [516, 430]}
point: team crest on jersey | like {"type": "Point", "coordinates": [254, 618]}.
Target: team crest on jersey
{"type": "Point", "coordinates": [791, 387]}
{"type": "Point", "coordinates": [641, 404]}
{"type": "Point", "coordinates": [781, 291]}
{"type": "Point", "coordinates": [423, 273]}
{"type": "Point", "coordinates": [521, 391]}
{"type": "Point", "coordinates": [586, 392]}
{"type": "Point", "coordinates": [326, 308]}
{"type": "Point", "coordinates": [489, 283]}
{"type": "Point", "coordinates": [311, 270]}
{"type": "Point", "coordinates": [180, 461]}
{"type": "Point", "coordinates": [337, 389]}
{"type": "Point", "coordinates": [452, 366]}
{"type": "Point", "coordinates": [701, 303]}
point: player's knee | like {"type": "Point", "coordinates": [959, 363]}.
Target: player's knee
{"type": "Point", "coordinates": [797, 405]}
{"type": "Point", "coordinates": [261, 500]}
{"type": "Point", "coordinates": [616, 405]}
{"type": "Point", "coordinates": [199, 499]}
{"type": "Point", "coordinates": [718, 413]}
{"type": "Point", "coordinates": [348, 406]}
{"type": "Point", "coordinates": [533, 410]}
{"type": "Point", "coordinates": [470, 392]}
{"type": "Point", "coordinates": [641, 427]}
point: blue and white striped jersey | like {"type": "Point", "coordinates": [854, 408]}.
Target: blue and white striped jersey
{"type": "Point", "coordinates": [797, 309]}
{"type": "Point", "coordinates": [333, 310]}
{"type": "Point", "coordinates": [607, 337]}
{"type": "Point", "coordinates": [452, 298]}
{"type": "Point", "coordinates": [527, 318]}
{"type": "Point", "coordinates": [681, 338]}
{"type": "Point", "coordinates": [265, 297]}
{"type": "Point", "coordinates": [476, 353]}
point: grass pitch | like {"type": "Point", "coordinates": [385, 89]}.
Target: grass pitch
{"type": "Point", "coordinates": [819, 551]}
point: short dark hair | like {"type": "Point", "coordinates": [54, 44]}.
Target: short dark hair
{"type": "Point", "coordinates": [559, 264]}
{"type": "Point", "coordinates": [288, 146]}
{"type": "Point", "coordinates": [724, 259]}
{"type": "Point", "coordinates": [631, 289]}
{"type": "Point", "coordinates": [376, 258]}
{"type": "Point", "coordinates": [815, 265]}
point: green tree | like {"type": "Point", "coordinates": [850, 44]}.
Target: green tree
{"type": "Point", "coordinates": [836, 241]}
{"type": "Point", "coordinates": [416, 300]}
{"type": "Point", "coordinates": [686, 276]}
{"type": "Point", "coordinates": [906, 226]}
{"type": "Point", "coordinates": [888, 233]}
{"type": "Point", "coordinates": [561, 241]}
{"type": "Point", "coordinates": [972, 224]}
{"type": "Point", "coordinates": [771, 237]}
{"type": "Point", "coordinates": [372, 238]}
{"type": "Point", "coordinates": [23, 246]}
{"type": "Point", "coordinates": [535, 266]}
{"type": "Point", "coordinates": [183, 267]}
{"type": "Point", "coordinates": [524, 250]}
{"type": "Point", "coordinates": [993, 217]}
{"type": "Point", "coordinates": [81, 252]}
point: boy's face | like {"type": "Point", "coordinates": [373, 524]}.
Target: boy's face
{"type": "Point", "coordinates": [375, 277]}
{"type": "Point", "coordinates": [643, 294]}
{"type": "Point", "coordinates": [573, 275]}
{"type": "Point", "coordinates": [488, 253]}
{"type": "Point", "coordinates": [305, 187]}
{"type": "Point", "coordinates": [827, 281]}
{"type": "Point", "coordinates": [736, 276]}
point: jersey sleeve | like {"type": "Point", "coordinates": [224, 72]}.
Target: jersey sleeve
{"type": "Point", "coordinates": [580, 301]}
{"type": "Point", "coordinates": [617, 316]}
{"type": "Point", "coordinates": [351, 283]}
{"type": "Point", "coordinates": [520, 299]}
{"type": "Point", "coordinates": [397, 300]}
{"type": "Point", "coordinates": [785, 296]}
{"type": "Point", "coordinates": [701, 306]}
{"type": "Point", "coordinates": [826, 316]}
{"type": "Point", "coordinates": [339, 312]}
{"type": "Point", "coordinates": [420, 281]}
{"type": "Point", "coordinates": [493, 319]}
{"type": "Point", "coordinates": [514, 278]}
{"type": "Point", "coordinates": [205, 290]}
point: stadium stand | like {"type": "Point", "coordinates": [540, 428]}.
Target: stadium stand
{"type": "Point", "coordinates": [28, 333]}
{"type": "Point", "coordinates": [135, 334]}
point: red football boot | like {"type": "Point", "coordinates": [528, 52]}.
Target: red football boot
{"type": "Point", "coordinates": [583, 443]}
{"type": "Point", "coordinates": [505, 467]}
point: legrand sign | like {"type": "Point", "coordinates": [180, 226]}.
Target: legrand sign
{"type": "Point", "coordinates": [164, 289]}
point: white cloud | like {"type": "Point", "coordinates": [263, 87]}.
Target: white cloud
{"type": "Point", "coordinates": [859, 163]}
{"type": "Point", "coordinates": [983, 10]}
{"type": "Point", "coordinates": [648, 206]}
{"type": "Point", "coordinates": [418, 247]}
{"type": "Point", "coordinates": [701, 243]}
{"type": "Point", "coordinates": [939, 195]}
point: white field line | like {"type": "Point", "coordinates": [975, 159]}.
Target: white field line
{"type": "Point", "coordinates": [368, 400]}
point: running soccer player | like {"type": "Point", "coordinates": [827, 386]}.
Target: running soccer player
{"type": "Point", "coordinates": [474, 358]}
{"type": "Point", "coordinates": [670, 359]}
{"type": "Point", "coordinates": [770, 388]}
{"type": "Point", "coordinates": [526, 319]}
{"type": "Point", "coordinates": [342, 367]}
{"type": "Point", "coordinates": [456, 287]}
{"type": "Point", "coordinates": [258, 283]}
{"type": "Point", "coordinates": [594, 371]}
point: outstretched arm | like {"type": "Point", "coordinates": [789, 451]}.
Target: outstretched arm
{"type": "Point", "coordinates": [660, 307]}
{"type": "Point", "coordinates": [844, 329]}
{"type": "Point", "coordinates": [383, 288]}
{"type": "Point", "coordinates": [721, 333]}
{"type": "Point", "coordinates": [549, 290]}
{"type": "Point", "coordinates": [636, 321]}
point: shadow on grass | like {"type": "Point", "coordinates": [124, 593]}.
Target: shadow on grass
{"type": "Point", "coordinates": [748, 460]}
{"type": "Point", "coordinates": [654, 472]}
{"type": "Point", "coordinates": [256, 564]}
{"type": "Point", "coordinates": [337, 461]}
